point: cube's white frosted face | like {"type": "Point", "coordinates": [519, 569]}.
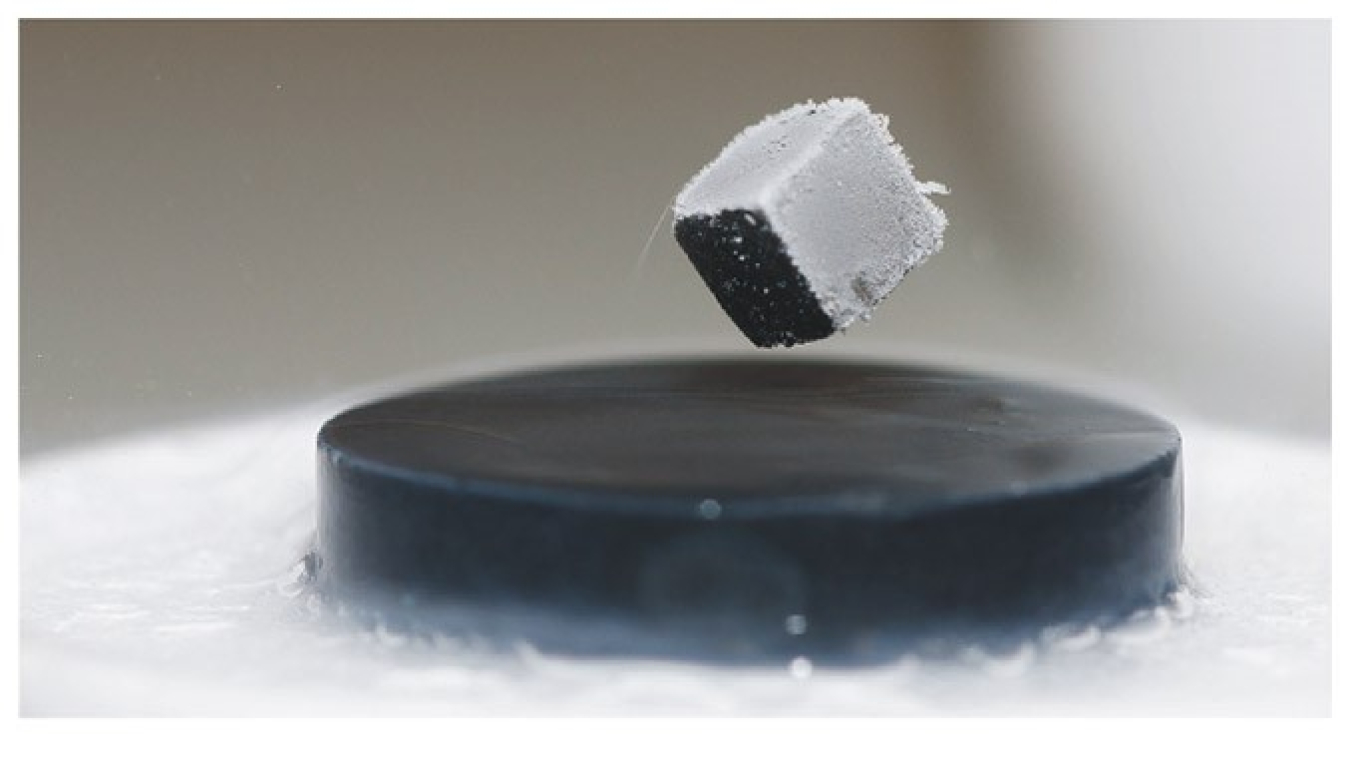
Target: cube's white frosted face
{"type": "Point", "coordinates": [750, 168]}
{"type": "Point", "coordinates": [839, 193]}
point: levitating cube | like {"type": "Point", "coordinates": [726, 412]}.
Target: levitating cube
{"type": "Point", "coordinates": [806, 221]}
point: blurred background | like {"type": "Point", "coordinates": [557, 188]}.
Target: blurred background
{"type": "Point", "coordinates": [221, 217]}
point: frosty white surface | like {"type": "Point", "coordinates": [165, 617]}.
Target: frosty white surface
{"type": "Point", "coordinates": [837, 190]}
{"type": "Point", "coordinates": [157, 577]}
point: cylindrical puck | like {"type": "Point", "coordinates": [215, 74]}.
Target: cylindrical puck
{"type": "Point", "coordinates": [761, 500]}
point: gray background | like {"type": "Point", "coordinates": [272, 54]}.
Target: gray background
{"type": "Point", "coordinates": [221, 217]}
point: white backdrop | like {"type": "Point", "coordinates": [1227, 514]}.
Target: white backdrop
{"type": "Point", "coordinates": [221, 217]}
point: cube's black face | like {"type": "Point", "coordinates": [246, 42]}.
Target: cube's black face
{"type": "Point", "coordinates": [744, 263]}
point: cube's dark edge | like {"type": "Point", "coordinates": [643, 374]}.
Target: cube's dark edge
{"type": "Point", "coordinates": [747, 268]}
{"type": "Point", "coordinates": [1099, 536]}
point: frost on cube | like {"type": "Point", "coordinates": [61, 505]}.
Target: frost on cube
{"type": "Point", "coordinates": [806, 221]}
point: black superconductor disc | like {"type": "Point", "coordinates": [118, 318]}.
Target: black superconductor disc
{"type": "Point", "coordinates": [761, 502]}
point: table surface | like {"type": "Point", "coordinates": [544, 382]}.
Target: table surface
{"type": "Point", "coordinates": [159, 572]}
